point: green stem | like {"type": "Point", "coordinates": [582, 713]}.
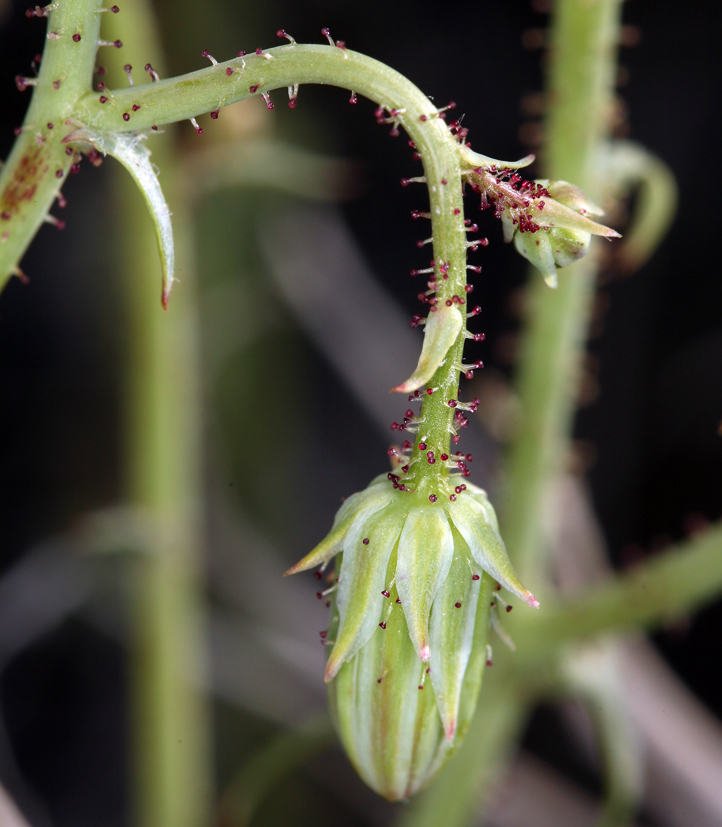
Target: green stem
{"type": "Point", "coordinates": [170, 715]}
{"type": "Point", "coordinates": [666, 587]}
{"type": "Point", "coordinates": [208, 89]}
{"type": "Point", "coordinates": [38, 163]}
{"type": "Point", "coordinates": [584, 39]}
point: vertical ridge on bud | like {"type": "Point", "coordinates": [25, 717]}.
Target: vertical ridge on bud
{"type": "Point", "coordinates": [452, 634]}
{"type": "Point", "coordinates": [426, 549]}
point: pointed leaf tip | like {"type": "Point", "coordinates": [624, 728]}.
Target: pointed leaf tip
{"type": "Point", "coordinates": [442, 327]}
{"type": "Point", "coordinates": [530, 600]}
{"type": "Point", "coordinates": [135, 156]}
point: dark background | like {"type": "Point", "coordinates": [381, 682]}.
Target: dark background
{"type": "Point", "coordinates": [651, 430]}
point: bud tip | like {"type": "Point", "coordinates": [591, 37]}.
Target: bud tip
{"type": "Point", "coordinates": [530, 600]}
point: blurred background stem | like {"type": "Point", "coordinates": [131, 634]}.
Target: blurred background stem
{"type": "Point", "coordinates": [170, 716]}
{"type": "Point", "coordinates": [580, 87]}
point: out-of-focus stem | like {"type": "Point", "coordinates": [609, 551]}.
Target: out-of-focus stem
{"type": "Point", "coordinates": [269, 765]}
{"type": "Point", "coordinates": [169, 715]}
{"type": "Point", "coordinates": [584, 38]}
{"type": "Point", "coordinates": [661, 589]}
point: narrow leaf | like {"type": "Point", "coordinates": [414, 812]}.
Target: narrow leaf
{"type": "Point", "coordinates": [130, 150]}
{"type": "Point", "coordinates": [442, 328]}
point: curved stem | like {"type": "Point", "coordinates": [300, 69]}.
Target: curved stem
{"type": "Point", "coordinates": [161, 102]}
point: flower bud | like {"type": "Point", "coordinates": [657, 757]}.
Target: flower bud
{"type": "Point", "coordinates": [552, 230]}
{"type": "Point", "coordinates": [409, 626]}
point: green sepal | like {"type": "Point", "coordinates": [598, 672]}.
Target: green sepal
{"type": "Point", "coordinates": [487, 547]}
{"type": "Point", "coordinates": [365, 576]}
{"type": "Point", "coordinates": [451, 633]}
{"type": "Point", "coordinates": [426, 549]}
{"type": "Point", "coordinates": [360, 505]}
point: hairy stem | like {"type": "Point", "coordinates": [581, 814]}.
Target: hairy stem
{"type": "Point", "coordinates": [38, 164]}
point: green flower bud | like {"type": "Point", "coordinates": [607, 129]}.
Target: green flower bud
{"type": "Point", "coordinates": [409, 627]}
{"type": "Point", "coordinates": [552, 230]}
{"type": "Point", "coordinates": [547, 220]}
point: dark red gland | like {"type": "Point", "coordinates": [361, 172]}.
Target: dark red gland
{"type": "Point", "coordinates": [229, 71]}
{"type": "Point", "coordinates": [76, 38]}
{"type": "Point", "coordinates": [432, 498]}
{"type": "Point", "coordinates": [475, 577]}
{"type": "Point", "coordinates": [365, 541]}
{"type": "Point", "coordinates": [385, 593]}
{"type": "Point", "coordinates": [253, 89]}
{"type": "Point", "coordinates": [214, 114]}
{"type": "Point", "coordinates": [457, 605]}
{"type": "Point", "coordinates": [135, 107]}
{"type": "Point", "coordinates": [103, 99]}
{"type": "Point", "coordinates": [422, 446]}
{"type": "Point", "coordinates": [444, 457]}
{"type": "Point", "coordinates": [509, 608]}
{"type": "Point", "coordinates": [382, 624]}
{"type": "Point", "coordinates": [126, 116]}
